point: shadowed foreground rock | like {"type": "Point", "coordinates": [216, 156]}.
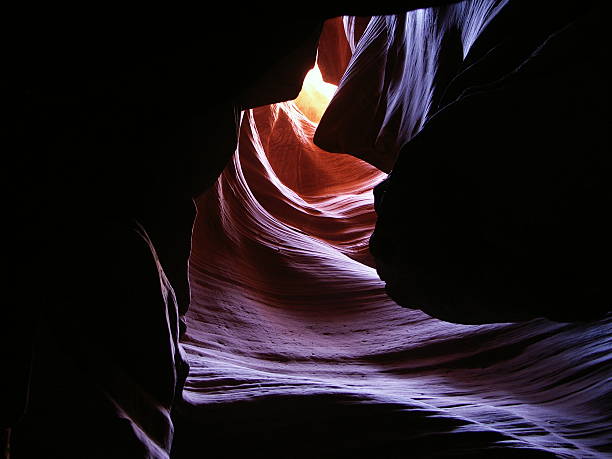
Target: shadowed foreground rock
{"type": "Point", "coordinates": [498, 210]}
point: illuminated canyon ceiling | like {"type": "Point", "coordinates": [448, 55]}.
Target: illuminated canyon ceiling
{"type": "Point", "coordinates": [399, 252]}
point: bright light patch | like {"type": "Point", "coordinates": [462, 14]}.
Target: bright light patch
{"type": "Point", "coordinates": [315, 95]}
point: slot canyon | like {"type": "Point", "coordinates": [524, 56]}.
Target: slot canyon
{"type": "Point", "coordinates": [340, 232]}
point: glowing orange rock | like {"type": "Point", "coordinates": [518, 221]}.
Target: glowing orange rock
{"type": "Point", "coordinates": [315, 95]}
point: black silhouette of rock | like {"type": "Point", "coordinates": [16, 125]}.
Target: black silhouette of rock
{"type": "Point", "coordinates": [496, 210]}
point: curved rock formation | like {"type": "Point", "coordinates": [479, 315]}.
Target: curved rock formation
{"type": "Point", "coordinates": [295, 346]}
{"type": "Point", "coordinates": [489, 209]}
{"type": "Point", "coordinates": [290, 327]}
{"type": "Point", "coordinates": [399, 69]}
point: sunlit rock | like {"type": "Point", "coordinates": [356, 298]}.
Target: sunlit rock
{"type": "Point", "coordinates": [315, 95]}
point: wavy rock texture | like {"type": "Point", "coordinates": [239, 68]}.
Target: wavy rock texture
{"type": "Point", "coordinates": [295, 348]}
{"type": "Point", "coordinates": [396, 75]}
{"type": "Point", "coordinates": [498, 195]}
{"type": "Point", "coordinates": [499, 200]}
